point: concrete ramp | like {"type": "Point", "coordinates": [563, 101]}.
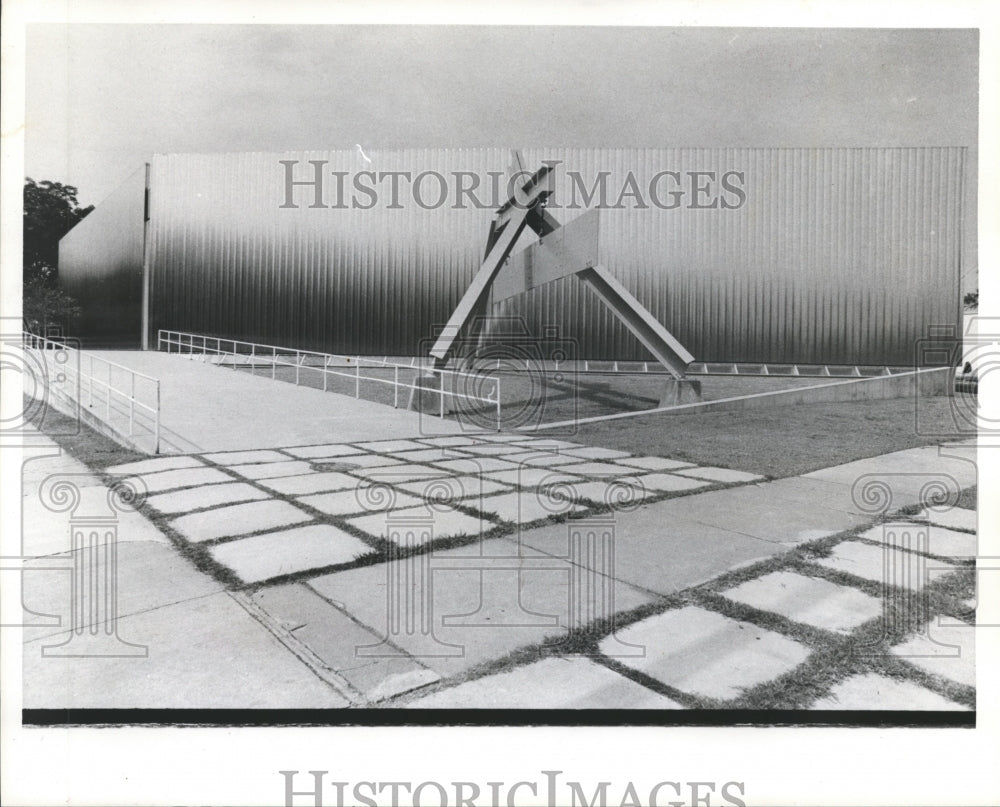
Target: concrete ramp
{"type": "Point", "coordinates": [204, 407]}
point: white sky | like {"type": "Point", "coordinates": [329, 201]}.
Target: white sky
{"type": "Point", "coordinates": [102, 98]}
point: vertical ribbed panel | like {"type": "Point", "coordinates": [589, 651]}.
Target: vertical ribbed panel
{"type": "Point", "coordinates": [100, 265]}
{"type": "Point", "coordinates": [837, 255]}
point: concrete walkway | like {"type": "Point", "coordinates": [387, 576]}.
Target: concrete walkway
{"type": "Point", "coordinates": [208, 408]}
{"type": "Point", "coordinates": [307, 608]}
{"type": "Point", "coordinates": [180, 639]}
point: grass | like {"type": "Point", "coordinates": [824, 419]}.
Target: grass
{"type": "Point", "coordinates": [780, 441]}
{"type": "Point", "coordinates": [833, 657]}
{"type": "Point", "coordinates": [821, 433]}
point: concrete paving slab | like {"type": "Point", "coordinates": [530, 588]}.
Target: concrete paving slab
{"type": "Point", "coordinates": [274, 554]}
{"type": "Point", "coordinates": [35, 469]}
{"type": "Point", "coordinates": [334, 638]}
{"type": "Point", "coordinates": [547, 444]}
{"type": "Point", "coordinates": [449, 441]}
{"type": "Point", "coordinates": [753, 510]}
{"type": "Point", "coordinates": [907, 471]}
{"type": "Point", "coordinates": [271, 470]}
{"type": "Point", "coordinates": [601, 470]}
{"type": "Point", "coordinates": [524, 506]}
{"type": "Point", "coordinates": [203, 653]}
{"type": "Point", "coordinates": [324, 451]}
{"type": "Point", "coordinates": [705, 653]}
{"type": "Point", "coordinates": [884, 564]}
{"type": "Point", "coordinates": [359, 500]}
{"type": "Point", "coordinates": [155, 465]}
{"type": "Point", "coordinates": [531, 477]}
{"type": "Point", "coordinates": [596, 453]}
{"type": "Point", "coordinates": [552, 683]}
{"type": "Point", "coordinates": [799, 494]}
{"type": "Point", "coordinates": [312, 483]}
{"type": "Point", "coordinates": [404, 472]}
{"type": "Point", "coordinates": [236, 410]}
{"type": "Point", "coordinates": [475, 614]}
{"type": "Point", "coordinates": [477, 465]}
{"type": "Point", "coordinates": [653, 550]}
{"type": "Point", "coordinates": [654, 463]}
{"type": "Point", "coordinates": [390, 446]}
{"type": "Point", "coordinates": [541, 459]}
{"type": "Point", "coordinates": [809, 600]}
{"type": "Point", "coordinates": [184, 501]}
{"type": "Point", "coordinates": [238, 519]}
{"type": "Point", "coordinates": [149, 575]}
{"type": "Point", "coordinates": [619, 493]}
{"type": "Point", "coordinates": [956, 518]}
{"type": "Point", "coordinates": [454, 488]}
{"type": "Point", "coordinates": [668, 483]}
{"type": "Point", "coordinates": [871, 692]}
{"type": "Point", "coordinates": [492, 449]}
{"type": "Point", "coordinates": [47, 531]}
{"type": "Point", "coordinates": [184, 478]}
{"type": "Point", "coordinates": [946, 651]}
{"type": "Point", "coordinates": [368, 461]}
{"type": "Point", "coordinates": [241, 457]}
{"type": "Point", "coordinates": [502, 438]}
{"type": "Point", "coordinates": [725, 475]}
{"type": "Point", "coordinates": [938, 541]}
{"type": "Point", "coordinates": [427, 523]}
{"type": "Point", "coordinates": [426, 455]}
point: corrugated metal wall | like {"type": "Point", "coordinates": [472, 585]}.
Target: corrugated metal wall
{"type": "Point", "coordinates": [100, 264]}
{"type": "Point", "coordinates": [837, 255]}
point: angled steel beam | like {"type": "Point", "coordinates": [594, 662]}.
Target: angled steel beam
{"type": "Point", "coordinates": [644, 326]}
{"type": "Point", "coordinates": [508, 224]}
{"type": "Point", "coordinates": [475, 296]}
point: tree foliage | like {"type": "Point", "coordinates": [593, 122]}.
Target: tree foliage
{"type": "Point", "coordinates": [51, 210]}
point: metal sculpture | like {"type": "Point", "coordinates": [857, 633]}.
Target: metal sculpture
{"type": "Point", "coordinates": [562, 250]}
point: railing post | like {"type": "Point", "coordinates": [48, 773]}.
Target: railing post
{"type": "Point", "coordinates": [107, 397]}
{"type": "Point", "coordinates": [498, 404]}
{"type": "Point", "coordinates": [298, 365]}
{"type": "Point", "coordinates": [395, 387]}
{"type": "Point", "coordinates": [274, 362]}
{"type": "Point", "coordinates": [131, 404]}
{"type": "Point", "coordinates": [253, 362]}
{"type": "Point", "coordinates": [156, 422]}
{"type": "Point", "coordinates": [441, 413]}
{"type": "Point", "coordinates": [357, 380]}
{"type": "Point", "coordinates": [90, 384]}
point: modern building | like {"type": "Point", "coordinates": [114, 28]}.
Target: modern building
{"type": "Point", "coordinates": [804, 255]}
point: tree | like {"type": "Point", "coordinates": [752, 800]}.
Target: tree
{"type": "Point", "coordinates": [51, 210]}
{"type": "Point", "coordinates": [971, 300]}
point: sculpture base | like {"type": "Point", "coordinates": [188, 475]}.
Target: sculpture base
{"type": "Point", "coordinates": [680, 391]}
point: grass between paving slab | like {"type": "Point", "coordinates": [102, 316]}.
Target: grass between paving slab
{"type": "Point", "coordinates": [834, 656]}
{"type": "Point", "coordinates": [100, 452]}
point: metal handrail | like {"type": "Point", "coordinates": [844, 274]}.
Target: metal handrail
{"type": "Point", "coordinates": [271, 354]}
{"type": "Point", "coordinates": [90, 378]}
